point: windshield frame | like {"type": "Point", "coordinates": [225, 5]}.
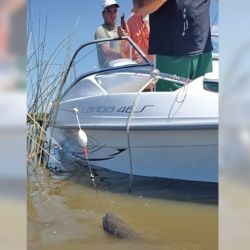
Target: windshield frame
{"type": "Point", "coordinates": [148, 63]}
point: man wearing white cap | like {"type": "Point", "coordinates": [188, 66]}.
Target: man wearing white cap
{"type": "Point", "coordinates": [108, 30]}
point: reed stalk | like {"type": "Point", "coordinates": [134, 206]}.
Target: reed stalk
{"type": "Point", "coordinates": [44, 89]}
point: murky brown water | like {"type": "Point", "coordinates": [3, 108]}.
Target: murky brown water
{"type": "Point", "coordinates": [67, 214]}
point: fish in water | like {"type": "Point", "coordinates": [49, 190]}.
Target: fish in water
{"type": "Point", "coordinates": [117, 227]}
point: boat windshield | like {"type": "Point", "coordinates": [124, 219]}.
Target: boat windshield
{"type": "Point", "coordinates": [104, 54]}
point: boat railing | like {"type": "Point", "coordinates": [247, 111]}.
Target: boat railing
{"type": "Point", "coordinates": [86, 60]}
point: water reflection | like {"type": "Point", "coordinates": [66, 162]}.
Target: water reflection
{"type": "Point", "coordinates": [106, 180]}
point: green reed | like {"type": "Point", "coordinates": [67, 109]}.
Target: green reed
{"type": "Point", "coordinates": [45, 79]}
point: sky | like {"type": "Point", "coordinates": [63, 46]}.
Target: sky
{"type": "Point", "coordinates": [235, 36]}
{"type": "Point", "coordinates": [65, 16]}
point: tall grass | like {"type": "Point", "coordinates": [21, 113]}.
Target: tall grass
{"type": "Point", "coordinates": [45, 77]}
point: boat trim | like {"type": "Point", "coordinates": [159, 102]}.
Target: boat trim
{"type": "Point", "coordinates": [144, 127]}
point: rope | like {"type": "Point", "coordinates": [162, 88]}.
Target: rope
{"type": "Point", "coordinates": [129, 146]}
{"type": "Point", "coordinates": [153, 79]}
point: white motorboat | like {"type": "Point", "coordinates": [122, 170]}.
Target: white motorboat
{"type": "Point", "coordinates": [133, 131]}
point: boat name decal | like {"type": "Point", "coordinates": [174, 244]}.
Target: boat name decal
{"type": "Point", "coordinates": [111, 109]}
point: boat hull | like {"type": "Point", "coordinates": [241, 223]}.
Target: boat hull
{"type": "Point", "coordinates": [155, 134]}
{"type": "Point", "coordinates": [177, 154]}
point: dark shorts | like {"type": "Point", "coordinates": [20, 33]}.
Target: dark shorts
{"type": "Point", "coordinates": [190, 67]}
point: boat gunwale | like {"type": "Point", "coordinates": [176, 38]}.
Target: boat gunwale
{"type": "Point", "coordinates": [212, 125]}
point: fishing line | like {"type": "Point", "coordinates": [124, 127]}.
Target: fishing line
{"type": "Point", "coordinates": [113, 223]}
{"type": "Point", "coordinates": [83, 140]}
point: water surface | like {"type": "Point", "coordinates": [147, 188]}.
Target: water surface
{"type": "Point", "coordinates": [67, 213]}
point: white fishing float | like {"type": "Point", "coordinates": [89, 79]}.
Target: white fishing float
{"type": "Point", "coordinates": [82, 138]}
{"type": "Point", "coordinates": [83, 141]}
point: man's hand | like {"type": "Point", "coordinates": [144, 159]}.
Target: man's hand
{"type": "Point", "coordinates": [121, 31]}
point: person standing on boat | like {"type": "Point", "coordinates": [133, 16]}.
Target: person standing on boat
{"type": "Point", "coordinates": [110, 50]}
{"type": "Point", "coordinates": [180, 37]}
{"type": "Point", "coordinates": [139, 32]}
{"type": "Point", "coordinates": [138, 28]}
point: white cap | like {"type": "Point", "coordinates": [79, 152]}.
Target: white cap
{"type": "Point", "coordinates": [107, 3]}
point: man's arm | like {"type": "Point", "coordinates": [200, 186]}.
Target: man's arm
{"type": "Point", "coordinates": [109, 53]}
{"type": "Point", "coordinates": [145, 7]}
